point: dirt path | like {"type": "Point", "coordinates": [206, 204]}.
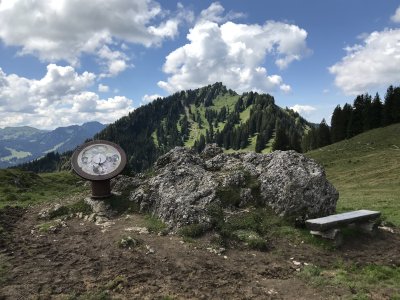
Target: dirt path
{"type": "Point", "coordinates": [84, 259]}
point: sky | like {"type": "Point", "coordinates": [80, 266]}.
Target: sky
{"type": "Point", "coordinates": [66, 62]}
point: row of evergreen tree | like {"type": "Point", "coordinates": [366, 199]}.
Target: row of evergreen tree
{"type": "Point", "coordinates": [265, 120]}
{"type": "Point", "coordinates": [366, 113]}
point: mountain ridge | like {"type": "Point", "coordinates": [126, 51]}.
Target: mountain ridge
{"type": "Point", "coordinates": [22, 144]}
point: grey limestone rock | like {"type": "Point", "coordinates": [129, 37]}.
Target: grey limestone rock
{"type": "Point", "coordinates": [185, 183]}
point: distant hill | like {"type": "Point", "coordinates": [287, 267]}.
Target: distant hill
{"type": "Point", "coordinates": [23, 144]}
{"type": "Point", "coordinates": [366, 171]}
{"type": "Point", "coordinates": [193, 118]}
{"type": "Point", "coordinates": [211, 114]}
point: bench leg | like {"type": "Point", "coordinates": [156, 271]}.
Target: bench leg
{"type": "Point", "coordinates": [369, 227]}
{"type": "Point", "coordinates": [332, 234]}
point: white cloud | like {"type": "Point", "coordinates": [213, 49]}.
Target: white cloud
{"type": "Point", "coordinates": [285, 88]}
{"type": "Point", "coordinates": [214, 13]}
{"type": "Point", "coordinates": [372, 65]}
{"type": "Point", "coordinates": [61, 97]}
{"type": "Point", "coordinates": [303, 109]}
{"type": "Point", "coordinates": [234, 54]}
{"type": "Point", "coordinates": [102, 88]}
{"type": "Point", "coordinates": [396, 17]}
{"type": "Point", "coordinates": [57, 30]}
{"type": "Point", "coordinates": [114, 61]}
{"type": "Point", "coordinates": [149, 98]}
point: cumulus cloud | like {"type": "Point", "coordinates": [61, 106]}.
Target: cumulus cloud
{"type": "Point", "coordinates": [303, 109]}
{"type": "Point", "coordinates": [149, 98]}
{"type": "Point", "coordinates": [61, 97]}
{"type": "Point", "coordinates": [102, 88]}
{"type": "Point", "coordinates": [371, 65]}
{"type": "Point", "coordinates": [234, 54]}
{"type": "Point", "coordinates": [214, 13]}
{"type": "Point", "coordinates": [57, 30]}
{"type": "Point", "coordinates": [396, 17]}
{"type": "Point", "coordinates": [115, 62]}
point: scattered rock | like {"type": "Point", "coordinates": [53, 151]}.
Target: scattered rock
{"type": "Point", "coordinates": [218, 251]}
{"type": "Point", "coordinates": [149, 250]}
{"type": "Point", "coordinates": [385, 228]}
{"type": "Point", "coordinates": [140, 230]}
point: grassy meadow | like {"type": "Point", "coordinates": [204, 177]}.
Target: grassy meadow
{"type": "Point", "coordinates": [24, 188]}
{"type": "Point", "coordinates": [366, 171]}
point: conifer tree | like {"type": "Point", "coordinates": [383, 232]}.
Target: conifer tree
{"type": "Point", "coordinates": [376, 112]}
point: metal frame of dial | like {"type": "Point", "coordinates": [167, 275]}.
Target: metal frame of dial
{"type": "Point", "coordinates": [101, 158]}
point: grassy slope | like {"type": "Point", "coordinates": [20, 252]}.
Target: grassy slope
{"type": "Point", "coordinates": [25, 188]}
{"type": "Point", "coordinates": [219, 102]}
{"type": "Point", "coordinates": [366, 171]}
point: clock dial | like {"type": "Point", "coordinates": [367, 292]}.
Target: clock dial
{"type": "Point", "coordinates": [98, 160]}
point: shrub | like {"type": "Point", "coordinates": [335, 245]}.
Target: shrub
{"type": "Point", "coordinates": [193, 230]}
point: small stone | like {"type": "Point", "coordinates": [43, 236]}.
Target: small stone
{"type": "Point", "coordinates": [149, 250]}
{"type": "Point", "coordinates": [296, 263]}
{"type": "Point", "coordinates": [225, 257]}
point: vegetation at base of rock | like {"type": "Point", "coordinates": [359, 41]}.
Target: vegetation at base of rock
{"type": "Point", "coordinates": [360, 280]}
{"type": "Point", "coordinates": [153, 224]}
{"type": "Point", "coordinates": [193, 230]}
{"type": "Point", "coordinates": [365, 170]}
{"type": "Point", "coordinates": [229, 196]}
{"type": "Point", "coordinates": [23, 188]}
{"type": "Point", "coordinates": [78, 207]}
{"type": "Point", "coordinates": [120, 204]}
{"type": "Point", "coordinates": [252, 226]}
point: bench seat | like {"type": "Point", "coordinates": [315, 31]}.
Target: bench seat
{"type": "Point", "coordinates": [335, 221]}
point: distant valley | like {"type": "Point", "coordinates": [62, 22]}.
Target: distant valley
{"type": "Point", "coordinates": [23, 144]}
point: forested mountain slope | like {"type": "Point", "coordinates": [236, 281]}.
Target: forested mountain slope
{"type": "Point", "coordinates": [212, 114]}
{"type": "Point", "coordinates": [192, 118]}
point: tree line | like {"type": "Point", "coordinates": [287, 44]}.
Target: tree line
{"type": "Point", "coordinates": [366, 113]}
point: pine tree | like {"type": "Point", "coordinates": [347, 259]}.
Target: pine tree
{"type": "Point", "coordinates": [260, 143]}
{"type": "Point", "coordinates": [376, 112]}
{"type": "Point", "coordinates": [324, 134]}
{"type": "Point", "coordinates": [337, 125]}
{"type": "Point", "coordinates": [388, 106]}
{"type": "Point", "coordinates": [281, 141]}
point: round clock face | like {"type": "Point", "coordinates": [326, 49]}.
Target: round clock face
{"type": "Point", "coordinates": [99, 160]}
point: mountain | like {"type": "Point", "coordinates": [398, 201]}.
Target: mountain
{"type": "Point", "coordinates": [193, 118]}
{"type": "Point", "coordinates": [212, 114]}
{"type": "Point", "coordinates": [23, 144]}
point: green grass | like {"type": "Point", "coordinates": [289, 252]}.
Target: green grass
{"type": "Point", "coordinates": [366, 171]}
{"type": "Point", "coordinates": [25, 188]}
{"type": "Point", "coordinates": [153, 224]}
{"type": "Point", "coordinates": [221, 101]}
{"type": "Point", "coordinates": [192, 230]}
{"type": "Point", "coordinates": [361, 281]}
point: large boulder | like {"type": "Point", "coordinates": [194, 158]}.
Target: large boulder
{"type": "Point", "coordinates": [186, 183]}
{"type": "Point", "coordinates": [294, 185]}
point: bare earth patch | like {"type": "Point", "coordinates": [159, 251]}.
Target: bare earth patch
{"type": "Point", "coordinates": [83, 259]}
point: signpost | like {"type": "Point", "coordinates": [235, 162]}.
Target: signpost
{"type": "Point", "coordinates": [99, 161]}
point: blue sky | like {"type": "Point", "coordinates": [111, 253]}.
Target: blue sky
{"type": "Point", "coordinates": [67, 61]}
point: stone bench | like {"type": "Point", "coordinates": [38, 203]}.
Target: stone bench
{"type": "Point", "coordinates": [329, 227]}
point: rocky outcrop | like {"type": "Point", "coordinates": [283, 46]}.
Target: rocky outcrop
{"type": "Point", "coordinates": [186, 183]}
